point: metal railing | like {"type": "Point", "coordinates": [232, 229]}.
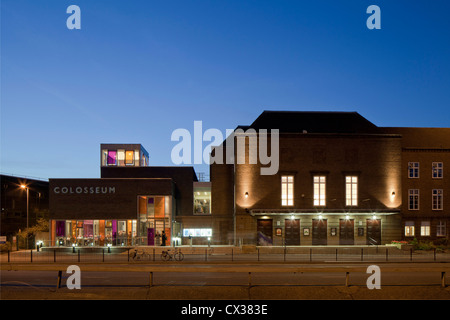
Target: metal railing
{"type": "Point", "coordinates": [225, 254]}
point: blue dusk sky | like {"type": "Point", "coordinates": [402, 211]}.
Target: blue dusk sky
{"type": "Point", "coordinates": [138, 70]}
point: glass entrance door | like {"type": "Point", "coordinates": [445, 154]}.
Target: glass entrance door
{"type": "Point", "coordinates": [154, 216]}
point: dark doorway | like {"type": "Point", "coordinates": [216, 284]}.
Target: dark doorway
{"type": "Point", "coordinates": [373, 232]}
{"type": "Point", "coordinates": [319, 232]}
{"type": "Point", "coordinates": [346, 232]}
{"type": "Point", "coordinates": [292, 232]}
{"type": "Point", "coordinates": [265, 232]}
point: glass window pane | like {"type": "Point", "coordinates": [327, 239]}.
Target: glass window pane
{"type": "Point", "coordinates": [112, 157]}
{"type": "Point", "coordinates": [150, 207]}
{"type": "Point", "coordinates": [142, 205]}
{"type": "Point", "coordinates": [129, 157]}
{"type": "Point", "coordinates": [287, 190]}
{"type": "Point", "coordinates": [159, 207]}
{"type": "Point", "coordinates": [104, 157]}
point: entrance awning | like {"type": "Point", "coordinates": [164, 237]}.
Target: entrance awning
{"type": "Point", "coordinates": [330, 212]}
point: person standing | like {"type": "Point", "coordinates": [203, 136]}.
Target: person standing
{"type": "Point", "coordinates": [163, 238]}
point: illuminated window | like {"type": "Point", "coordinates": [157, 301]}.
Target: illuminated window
{"type": "Point", "coordinates": [202, 198]}
{"type": "Point", "coordinates": [112, 158]}
{"type": "Point", "coordinates": [409, 229]}
{"type": "Point", "coordinates": [437, 199]}
{"type": "Point", "coordinates": [413, 169]}
{"type": "Point", "coordinates": [202, 202]}
{"type": "Point", "coordinates": [136, 158]}
{"type": "Point", "coordinates": [413, 203]}
{"type": "Point", "coordinates": [120, 157]}
{"type": "Point", "coordinates": [319, 190]}
{"type": "Point", "coordinates": [104, 157]}
{"type": "Point", "coordinates": [351, 190]}
{"type": "Point", "coordinates": [129, 157]}
{"type": "Point", "coordinates": [287, 190]}
{"type": "Point", "coordinates": [438, 170]}
{"type": "Point", "coordinates": [425, 228]}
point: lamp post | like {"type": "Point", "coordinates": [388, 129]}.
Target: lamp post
{"type": "Point", "coordinates": [28, 193]}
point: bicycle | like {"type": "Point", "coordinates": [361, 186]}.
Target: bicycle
{"type": "Point", "coordinates": [137, 256]}
{"type": "Point", "coordinates": [167, 255]}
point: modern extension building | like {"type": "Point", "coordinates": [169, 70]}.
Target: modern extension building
{"type": "Point", "coordinates": [289, 178]}
{"type": "Point", "coordinates": [131, 204]}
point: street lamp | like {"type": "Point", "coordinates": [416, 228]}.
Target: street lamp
{"type": "Point", "coordinates": [28, 193]}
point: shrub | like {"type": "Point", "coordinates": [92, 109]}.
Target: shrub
{"type": "Point", "coordinates": [414, 243]}
{"type": "Point", "coordinates": [426, 245]}
{"type": "Point", "coordinates": [5, 246]}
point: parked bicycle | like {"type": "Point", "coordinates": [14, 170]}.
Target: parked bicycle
{"type": "Point", "coordinates": [139, 255]}
{"type": "Point", "coordinates": [167, 255]}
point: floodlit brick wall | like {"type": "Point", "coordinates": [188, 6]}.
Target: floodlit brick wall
{"type": "Point", "coordinates": [425, 146]}
{"type": "Point", "coordinates": [375, 159]}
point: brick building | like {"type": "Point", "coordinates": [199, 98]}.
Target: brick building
{"type": "Point", "coordinates": [326, 178]}
{"type": "Point", "coordinates": [341, 180]}
{"type": "Point", "coordinates": [426, 185]}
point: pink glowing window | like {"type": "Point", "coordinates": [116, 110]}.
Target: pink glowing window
{"type": "Point", "coordinates": [112, 157]}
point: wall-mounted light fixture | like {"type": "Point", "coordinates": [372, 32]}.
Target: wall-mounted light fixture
{"type": "Point", "coordinates": [393, 193]}
{"type": "Point", "coordinates": [246, 195]}
{"type": "Point", "coordinates": [320, 217]}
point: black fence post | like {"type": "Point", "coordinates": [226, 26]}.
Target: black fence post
{"type": "Point", "coordinates": [232, 255]}
{"type": "Point", "coordinates": [58, 282]}
{"type": "Point", "coordinates": [31, 255]}
{"type": "Point", "coordinates": [410, 254]}
{"type": "Point", "coordinates": [336, 254]}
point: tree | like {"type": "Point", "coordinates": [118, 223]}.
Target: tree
{"type": "Point", "coordinates": [40, 226]}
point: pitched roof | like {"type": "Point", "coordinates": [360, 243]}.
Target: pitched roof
{"type": "Point", "coordinates": [314, 122]}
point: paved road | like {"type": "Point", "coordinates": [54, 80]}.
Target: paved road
{"type": "Point", "coordinates": [108, 279]}
{"type": "Point", "coordinates": [29, 284]}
